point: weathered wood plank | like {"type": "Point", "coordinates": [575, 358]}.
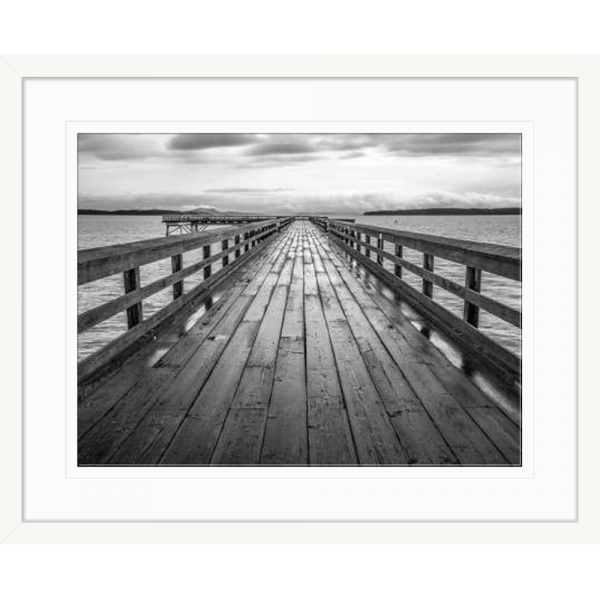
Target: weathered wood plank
{"type": "Point", "coordinates": [155, 429]}
{"type": "Point", "coordinates": [199, 434]}
{"type": "Point", "coordinates": [505, 364]}
{"type": "Point", "coordinates": [329, 437]}
{"type": "Point", "coordinates": [196, 438]}
{"type": "Point", "coordinates": [374, 436]}
{"type": "Point", "coordinates": [162, 351]}
{"type": "Point", "coordinates": [415, 429]}
{"type": "Point", "coordinates": [407, 345]}
{"type": "Point", "coordinates": [92, 365]}
{"type": "Point", "coordinates": [241, 439]}
{"type": "Point", "coordinates": [286, 431]}
{"type": "Point", "coordinates": [463, 435]}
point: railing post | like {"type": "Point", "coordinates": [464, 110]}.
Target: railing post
{"type": "Point", "coordinates": [224, 246]}
{"type": "Point", "coordinates": [351, 232]}
{"type": "Point", "coordinates": [380, 247]}
{"type": "Point", "coordinates": [236, 241]}
{"type": "Point", "coordinates": [358, 246]}
{"type": "Point", "coordinates": [368, 250]}
{"type": "Point", "coordinates": [176, 265]}
{"type": "Point", "coordinates": [472, 282]}
{"type": "Point", "coordinates": [246, 246]}
{"type": "Point", "coordinates": [428, 266]}
{"type": "Point", "coordinates": [252, 234]}
{"type": "Point", "coordinates": [131, 280]}
{"type": "Point", "coordinates": [397, 267]}
{"type": "Point", "coordinates": [205, 255]}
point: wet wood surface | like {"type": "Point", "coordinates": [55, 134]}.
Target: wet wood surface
{"type": "Point", "coordinates": [298, 363]}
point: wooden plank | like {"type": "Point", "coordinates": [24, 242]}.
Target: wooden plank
{"type": "Point", "coordinates": [240, 441]}
{"type": "Point", "coordinates": [196, 439]}
{"type": "Point", "coordinates": [374, 436]}
{"type": "Point", "coordinates": [101, 360]}
{"type": "Point", "coordinates": [416, 431]}
{"type": "Point", "coordinates": [286, 431]}
{"type": "Point", "coordinates": [101, 441]}
{"type": "Point", "coordinates": [197, 436]}
{"type": "Point", "coordinates": [497, 358]}
{"type": "Point", "coordinates": [482, 409]}
{"type": "Point", "coordinates": [148, 441]}
{"type": "Point", "coordinates": [329, 438]}
{"type": "Point", "coordinates": [241, 438]}
{"type": "Point", "coordinates": [95, 405]}
{"type": "Point", "coordinates": [168, 398]}
{"type": "Point", "coordinates": [405, 343]}
{"type": "Point", "coordinates": [463, 435]}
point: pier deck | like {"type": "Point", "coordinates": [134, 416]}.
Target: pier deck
{"type": "Point", "coordinates": [299, 362]}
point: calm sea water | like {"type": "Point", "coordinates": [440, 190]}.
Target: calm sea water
{"type": "Point", "coordinates": [107, 230]}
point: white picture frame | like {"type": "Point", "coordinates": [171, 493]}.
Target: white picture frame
{"type": "Point", "coordinates": [586, 527]}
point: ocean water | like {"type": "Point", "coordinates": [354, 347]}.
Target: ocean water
{"type": "Point", "coordinates": [94, 231]}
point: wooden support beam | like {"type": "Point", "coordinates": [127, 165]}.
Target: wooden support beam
{"type": "Point", "coordinates": [131, 280]}
{"type": "Point", "coordinates": [397, 267]}
{"type": "Point", "coordinates": [428, 266]}
{"type": "Point", "coordinates": [205, 255]}
{"type": "Point", "coordinates": [472, 282]}
{"type": "Point", "coordinates": [176, 265]}
{"type": "Point", "coordinates": [224, 246]}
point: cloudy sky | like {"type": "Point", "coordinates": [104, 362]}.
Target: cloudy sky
{"type": "Point", "coordinates": [291, 173]}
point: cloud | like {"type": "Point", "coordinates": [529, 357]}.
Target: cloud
{"type": "Point", "coordinates": [307, 202]}
{"type": "Point", "coordinates": [455, 144]}
{"type": "Point", "coordinates": [242, 190]}
{"type": "Point", "coordinates": [118, 146]}
{"type": "Point", "coordinates": [204, 141]}
{"type": "Point", "coordinates": [282, 145]}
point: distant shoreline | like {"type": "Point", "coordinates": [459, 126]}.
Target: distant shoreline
{"type": "Point", "coordinates": [150, 212]}
{"type": "Point", "coordinates": [446, 211]}
{"type": "Point", "coordinates": [407, 212]}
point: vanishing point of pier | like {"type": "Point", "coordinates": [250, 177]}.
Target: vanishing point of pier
{"type": "Point", "coordinates": [302, 345]}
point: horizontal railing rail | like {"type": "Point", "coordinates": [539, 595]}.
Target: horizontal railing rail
{"type": "Point", "coordinates": [235, 242]}
{"type": "Point", "coordinates": [368, 244]}
{"type": "Point", "coordinates": [185, 218]}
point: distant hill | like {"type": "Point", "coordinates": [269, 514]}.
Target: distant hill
{"type": "Point", "coordinates": [150, 212]}
{"type": "Point", "coordinates": [447, 211]}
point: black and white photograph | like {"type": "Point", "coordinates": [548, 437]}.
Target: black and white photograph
{"type": "Point", "coordinates": [299, 299]}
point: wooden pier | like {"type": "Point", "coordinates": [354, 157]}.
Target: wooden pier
{"type": "Point", "coordinates": [196, 223]}
{"type": "Point", "coordinates": [296, 351]}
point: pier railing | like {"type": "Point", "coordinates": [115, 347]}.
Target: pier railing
{"type": "Point", "coordinates": [371, 246]}
{"type": "Point", "coordinates": [191, 218]}
{"type": "Point", "coordinates": [236, 244]}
